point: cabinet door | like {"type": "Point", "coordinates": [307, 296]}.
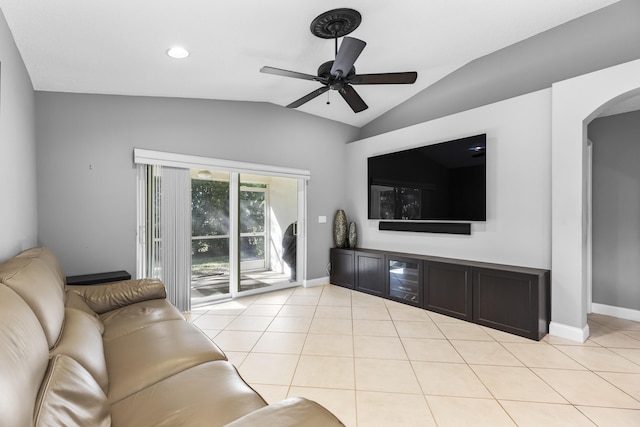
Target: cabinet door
{"type": "Point", "coordinates": [404, 280]}
{"type": "Point", "coordinates": [508, 301]}
{"type": "Point", "coordinates": [342, 268]}
{"type": "Point", "coordinates": [448, 290]}
{"type": "Point", "coordinates": [370, 273]}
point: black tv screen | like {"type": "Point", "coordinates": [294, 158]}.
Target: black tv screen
{"type": "Point", "coordinates": [445, 181]}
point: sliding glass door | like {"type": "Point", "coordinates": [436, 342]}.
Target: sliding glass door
{"type": "Point", "coordinates": [253, 225]}
{"type": "Point", "coordinates": [210, 235]}
{"type": "Point", "coordinates": [215, 229]}
{"type": "Point", "coordinates": [260, 247]}
{"type": "Point", "coordinates": [268, 206]}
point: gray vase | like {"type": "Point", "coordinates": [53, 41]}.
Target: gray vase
{"type": "Point", "coordinates": [340, 229]}
{"type": "Point", "coordinates": [353, 235]}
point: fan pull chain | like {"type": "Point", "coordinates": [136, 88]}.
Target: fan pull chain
{"type": "Point", "coordinates": [328, 97]}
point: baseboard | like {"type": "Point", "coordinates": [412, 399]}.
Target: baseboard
{"type": "Point", "coordinates": [621, 312]}
{"type": "Point", "coordinates": [316, 282]}
{"type": "Point", "coordinates": [569, 332]}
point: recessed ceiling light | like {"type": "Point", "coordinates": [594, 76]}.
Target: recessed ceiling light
{"type": "Point", "coordinates": [178, 52]}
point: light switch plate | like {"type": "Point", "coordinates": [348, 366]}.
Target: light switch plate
{"type": "Point", "coordinates": [322, 219]}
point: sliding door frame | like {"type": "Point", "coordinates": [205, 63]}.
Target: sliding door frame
{"type": "Point", "coordinates": [235, 168]}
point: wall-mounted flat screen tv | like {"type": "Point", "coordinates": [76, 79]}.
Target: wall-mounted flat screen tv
{"type": "Point", "coordinates": [445, 182]}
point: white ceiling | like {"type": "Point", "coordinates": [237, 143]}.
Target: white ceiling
{"type": "Point", "coordinates": [118, 46]}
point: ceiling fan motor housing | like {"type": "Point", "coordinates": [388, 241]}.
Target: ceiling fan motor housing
{"type": "Point", "coordinates": [324, 70]}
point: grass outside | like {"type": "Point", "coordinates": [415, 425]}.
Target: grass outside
{"type": "Point", "coordinates": [209, 266]}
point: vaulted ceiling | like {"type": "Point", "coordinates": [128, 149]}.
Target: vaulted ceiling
{"type": "Point", "coordinates": [119, 46]}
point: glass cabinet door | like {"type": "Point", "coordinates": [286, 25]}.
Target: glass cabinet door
{"type": "Point", "coordinates": [404, 280]}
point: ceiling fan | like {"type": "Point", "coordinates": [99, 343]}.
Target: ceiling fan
{"type": "Point", "coordinates": [340, 74]}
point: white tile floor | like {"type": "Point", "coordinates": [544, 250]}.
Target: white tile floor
{"type": "Point", "coordinates": [374, 362]}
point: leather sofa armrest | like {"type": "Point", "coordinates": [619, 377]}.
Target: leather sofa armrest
{"type": "Point", "coordinates": [110, 296]}
{"type": "Point", "coordinates": [293, 412]}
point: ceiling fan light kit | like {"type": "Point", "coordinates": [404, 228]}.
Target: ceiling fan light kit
{"type": "Point", "coordinates": [340, 73]}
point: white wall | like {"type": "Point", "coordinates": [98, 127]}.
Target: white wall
{"type": "Point", "coordinates": [575, 103]}
{"type": "Point", "coordinates": [518, 226]}
{"type": "Point", "coordinates": [18, 215]}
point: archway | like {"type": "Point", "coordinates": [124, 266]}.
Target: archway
{"type": "Point", "coordinates": [615, 213]}
{"type": "Point", "coordinates": [575, 102]}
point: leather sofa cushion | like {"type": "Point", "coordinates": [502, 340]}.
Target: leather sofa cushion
{"type": "Point", "coordinates": [40, 287]}
{"type": "Point", "coordinates": [136, 316]}
{"type": "Point", "coordinates": [211, 395]}
{"type": "Point", "coordinates": [151, 354]}
{"type": "Point", "coordinates": [23, 359]}
{"type": "Point", "coordinates": [292, 412]}
{"type": "Point", "coordinates": [110, 296]}
{"type": "Point", "coordinates": [74, 300]}
{"type": "Point", "coordinates": [70, 397]}
{"type": "Point", "coordinates": [82, 340]}
{"type": "Point", "coordinates": [47, 256]}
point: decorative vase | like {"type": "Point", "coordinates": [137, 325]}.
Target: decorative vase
{"type": "Point", "coordinates": [353, 235]}
{"type": "Point", "coordinates": [340, 229]}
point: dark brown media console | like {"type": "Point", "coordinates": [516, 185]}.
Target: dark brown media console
{"type": "Point", "coordinates": [508, 298]}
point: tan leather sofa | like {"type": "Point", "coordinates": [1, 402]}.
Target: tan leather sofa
{"type": "Point", "coordinates": [117, 354]}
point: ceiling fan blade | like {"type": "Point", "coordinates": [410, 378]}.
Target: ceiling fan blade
{"type": "Point", "coordinates": [384, 78]}
{"type": "Point", "coordinates": [349, 51]}
{"type": "Point", "coordinates": [308, 97]}
{"type": "Point", "coordinates": [353, 99]}
{"type": "Point", "coordinates": [287, 73]}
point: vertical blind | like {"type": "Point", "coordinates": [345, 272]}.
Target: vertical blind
{"type": "Point", "coordinates": [167, 230]}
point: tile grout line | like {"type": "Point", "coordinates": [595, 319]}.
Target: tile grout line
{"type": "Point", "coordinates": [306, 336]}
{"type": "Point", "coordinates": [413, 369]}
{"type": "Point", "coordinates": [353, 361]}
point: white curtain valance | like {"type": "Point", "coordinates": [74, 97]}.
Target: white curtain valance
{"type": "Point", "coordinates": [185, 161]}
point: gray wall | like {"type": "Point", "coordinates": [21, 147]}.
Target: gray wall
{"type": "Point", "coordinates": [87, 180]}
{"type": "Point", "coordinates": [598, 40]}
{"type": "Point", "coordinates": [18, 221]}
{"type": "Point", "coordinates": [616, 210]}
